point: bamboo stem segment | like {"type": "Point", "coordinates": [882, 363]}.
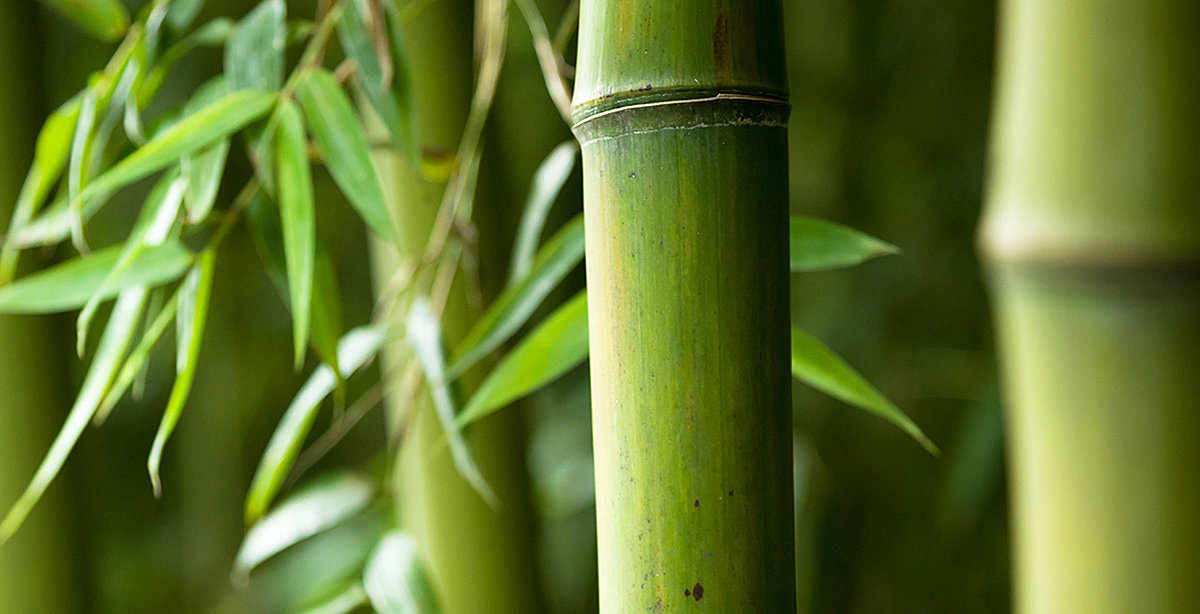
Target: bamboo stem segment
{"type": "Point", "coordinates": [1092, 231]}
{"type": "Point", "coordinates": [681, 113]}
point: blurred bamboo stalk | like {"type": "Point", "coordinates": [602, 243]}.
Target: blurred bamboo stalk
{"type": "Point", "coordinates": [1092, 233]}
{"type": "Point", "coordinates": [681, 110]}
{"type": "Point", "coordinates": [37, 572]}
{"type": "Point", "coordinates": [480, 558]}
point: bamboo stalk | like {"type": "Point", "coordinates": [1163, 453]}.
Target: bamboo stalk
{"type": "Point", "coordinates": [480, 558]}
{"type": "Point", "coordinates": [35, 566]}
{"type": "Point", "coordinates": [680, 108]}
{"type": "Point", "coordinates": [1092, 232]}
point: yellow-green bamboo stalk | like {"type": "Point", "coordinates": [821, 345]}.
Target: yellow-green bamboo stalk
{"type": "Point", "coordinates": [680, 108]}
{"type": "Point", "coordinates": [1093, 236]}
{"type": "Point", "coordinates": [480, 558]}
{"type": "Point", "coordinates": [35, 566]}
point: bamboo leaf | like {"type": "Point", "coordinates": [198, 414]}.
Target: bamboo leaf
{"type": "Point", "coordinates": [205, 127]}
{"type": "Point", "coordinates": [343, 600]}
{"type": "Point", "coordinates": [514, 306]}
{"type": "Point", "coordinates": [298, 220]}
{"type": "Point", "coordinates": [50, 156]}
{"type": "Point", "coordinates": [162, 207]}
{"type": "Point", "coordinates": [71, 284]}
{"type": "Point", "coordinates": [816, 365]}
{"type": "Point", "coordinates": [373, 82]}
{"type": "Point", "coordinates": [113, 344]}
{"type": "Point", "coordinates": [254, 53]}
{"type": "Point", "coordinates": [548, 181]}
{"type": "Point", "coordinates": [819, 245]}
{"type": "Point", "coordinates": [556, 346]}
{"type": "Point", "coordinates": [77, 167]}
{"type": "Point", "coordinates": [320, 505]}
{"type": "Point", "coordinates": [343, 147]}
{"type": "Point", "coordinates": [355, 350]}
{"type": "Point", "coordinates": [136, 360]}
{"type": "Point", "coordinates": [395, 578]}
{"type": "Point", "coordinates": [424, 334]}
{"type": "Point", "coordinates": [193, 313]}
{"type": "Point", "coordinates": [203, 171]}
{"type": "Point", "coordinates": [104, 19]}
{"type": "Point", "coordinates": [180, 13]}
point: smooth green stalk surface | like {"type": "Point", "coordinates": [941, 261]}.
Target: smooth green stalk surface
{"type": "Point", "coordinates": [687, 243]}
{"type": "Point", "coordinates": [480, 558]}
{"type": "Point", "coordinates": [1093, 236]}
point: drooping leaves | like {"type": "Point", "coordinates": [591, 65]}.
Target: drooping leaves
{"type": "Point", "coordinates": [113, 343]}
{"type": "Point", "coordinates": [514, 306]}
{"type": "Point", "coordinates": [354, 351]}
{"type": "Point", "coordinates": [816, 365]}
{"type": "Point", "coordinates": [254, 53]}
{"type": "Point", "coordinates": [205, 127]}
{"type": "Point", "coordinates": [349, 597]}
{"type": "Point", "coordinates": [136, 361]}
{"type": "Point", "coordinates": [298, 220]}
{"type": "Point", "coordinates": [180, 13]}
{"type": "Point", "coordinates": [818, 245]}
{"type": "Point", "coordinates": [343, 147]}
{"type": "Point", "coordinates": [372, 75]}
{"type": "Point", "coordinates": [71, 284]}
{"type": "Point", "coordinates": [50, 156]}
{"type": "Point", "coordinates": [395, 578]}
{"type": "Point", "coordinates": [547, 183]}
{"type": "Point", "coordinates": [104, 19]}
{"type": "Point", "coordinates": [193, 313]}
{"type": "Point", "coordinates": [556, 346]}
{"type": "Point", "coordinates": [424, 335]}
{"type": "Point", "coordinates": [315, 507]}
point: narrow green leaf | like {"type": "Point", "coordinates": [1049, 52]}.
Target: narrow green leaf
{"type": "Point", "coordinates": [203, 171]}
{"type": "Point", "coordinates": [161, 209]}
{"type": "Point", "coordinates": [193, 313]}
{"type": "Point", "coordinates": [352, 32]}
{"type": "Point", "coordinates": [320, 505]}
{"type": "Point", "coordinates": [180, 13]}
{"type": "Point", "coordinates": [548, 181]}
{"type": "Point", "coordinates": [254, 53]}
{"type": "Point", "coordinates": [343, 147]}
{"type": "Point", "coordinates": [77, 167]}
{"type": "Point", "coordinates": [518, 301]}
{"type": "Point", "coordinates": [395, 578]}
{"type": "Point", "coordinates": [50, 156]}
{"type": "Point", "coordinates": [136, 360]}
{"type": "Point", "coordinates": [113, 343]}
{"type": "Point", "coordinates": [424, 334]}
{"type": "Point", "coordinates": [104, 19]}
{"type": "Point", "coordinates": [298, 220]}
{"type": "Point", "coordinates": [71, 284]}
{"type": "Point", "coordinates": [816, 365]}
{"type": "Point", "coordinates": [556, 346]}
{"type": "Point", "coordinates": [342, 600]}
{"type": "Point", "coordinates": [819, 245]}
{"type": "Point", "coordinates": [355, 350]}
{"type": "Point", "coordinates": [195, 132]}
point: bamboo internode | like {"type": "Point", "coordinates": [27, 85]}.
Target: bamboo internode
{"type": "Point", "coordinates": [681, 111]}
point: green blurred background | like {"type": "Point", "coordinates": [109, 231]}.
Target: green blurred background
{"type": "Point", "coordinates": [890, 107]}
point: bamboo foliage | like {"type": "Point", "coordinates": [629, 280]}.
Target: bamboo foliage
{"type": "Point", "coordinates": [1091, 234]}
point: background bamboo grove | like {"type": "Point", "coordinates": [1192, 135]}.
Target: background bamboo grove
{"type": "Point", "coordinates": [421, 179]}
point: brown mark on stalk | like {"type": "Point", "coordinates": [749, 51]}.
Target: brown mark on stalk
{"type": "Point", "coordinates": [722, 59]}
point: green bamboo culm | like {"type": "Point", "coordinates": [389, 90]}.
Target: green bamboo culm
{"type": "Point", "coordinates": [1092, 233]}
{"type": "Point", "coordinates": [681, 111]}
{"type": "Point", "coordinates": [480, 558]}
